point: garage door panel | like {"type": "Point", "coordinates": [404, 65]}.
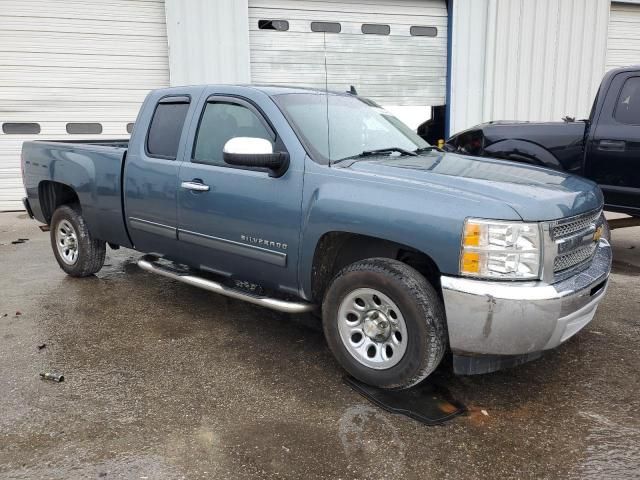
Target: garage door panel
{"type": "Point", "coordinates": [425, 62]}
{"type": "Point", "coordinates": [623, 44]}
{"type": "Point", "coordinates": [84, 77]}
{"type": "Point", "coordinates": [362, 16]}
{"type": "Point", "coordinates": [104, 61]}
{"type": "Point", "coordinates": [82, 25]}
{"type": "Point", "coordinates": [73, 99]}
{"type": "Point", "coordinates": [280, 74]}
{"type": "Point", "coordinates": [385, 7]}
{"type": "Point", "coordinates": [118, 10]}
{"type": "Point", "coordinates": [88, 44]}
{"type": "Point", "coordinates": [354, 44]}
{"type": "Point", "coordinates": [396, 69]}
{"type": "Point", "coordinates": [384, 95]}
{"type": "Point", "coordinates": [75, 61]}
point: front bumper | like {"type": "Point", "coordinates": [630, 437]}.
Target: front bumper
{"type": "Point", "coordinates": [522, 318]}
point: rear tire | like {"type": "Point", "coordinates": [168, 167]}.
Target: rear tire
{"type": "Point", "coordinates": [385, 323]}
{"type": "Point", "coordinates": [77, 252]}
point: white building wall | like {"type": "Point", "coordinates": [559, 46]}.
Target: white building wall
{"type": "Point", "coordinates": [525, 60]}
{"type": "Point", "coordinates": [208, 41]}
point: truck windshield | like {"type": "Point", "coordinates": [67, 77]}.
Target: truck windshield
{"type": "Point", "coordinates": [354, 126]}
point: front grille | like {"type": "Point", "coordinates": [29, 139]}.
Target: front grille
{"type": "Point", "coordinates": [575, 242]}
{"type": "Point", "coordinates": [569, 226]}
{"type": "Point", "coordinates": [569, 260]}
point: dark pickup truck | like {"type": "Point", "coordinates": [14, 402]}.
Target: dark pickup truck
{"type": "Point", "coordinates": [604, 148]}
{"type": "Point", "coordinates": [301, 200]}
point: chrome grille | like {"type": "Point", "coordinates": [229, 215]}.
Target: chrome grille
{"type": "Point", "coordinates": [568, 260]}
{"type": "Point", "coordinates": [573, 238]}
{"type": "Point", "coordinates": [569, 226]}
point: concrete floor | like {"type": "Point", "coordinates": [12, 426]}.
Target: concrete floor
{"type": "Point", "coordinates": [167, 381]}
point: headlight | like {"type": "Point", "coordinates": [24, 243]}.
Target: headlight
{"type": "Point", "coordinates": [500, 250]}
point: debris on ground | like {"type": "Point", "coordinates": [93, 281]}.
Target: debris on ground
{"type": "Point", "coordinates": [55, 377]}
{"type": "Point", "coordinates": [44, 228]}
{"type": "Point", "coordinates": [5, 315]}
{"type": "Point", "coordinates": [20, 240]}
{"type": "Point", "coordinates": [18, 313]}
{"type": "Point", "coordinates": [478, 415]}
{"type": "Point", "coordinates": [42, 346]}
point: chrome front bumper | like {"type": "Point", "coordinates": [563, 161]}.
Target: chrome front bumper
{"type": "Point", "coordinates": [520, 318]}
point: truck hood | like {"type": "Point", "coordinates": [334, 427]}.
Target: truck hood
{"type": "Point", "coordinates": [552, 135]}
{"type": "Point", "coordinates": [535, 193]}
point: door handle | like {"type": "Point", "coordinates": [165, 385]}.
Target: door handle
{"type": "Point", "coordinates": [195, 186]}
{"type": "Point", "coordinates": [612, 145]}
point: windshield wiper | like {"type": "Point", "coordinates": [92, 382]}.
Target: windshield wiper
{"type": "Point", "coordinates": [379, 151]}
{"type": "Point", "coordinates": [430, 148]}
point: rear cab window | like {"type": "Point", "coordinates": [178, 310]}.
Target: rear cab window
{"type": "Point", "coordinates": [165, 129]}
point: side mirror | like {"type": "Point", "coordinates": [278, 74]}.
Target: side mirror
{"type": "Point", "coordinates": [255, 152]}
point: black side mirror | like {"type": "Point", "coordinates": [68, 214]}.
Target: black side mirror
{"type": "Point", "coordinates": [257, 153]}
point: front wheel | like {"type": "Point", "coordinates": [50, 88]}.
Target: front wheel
{"type": "Point", "coordinates": [77, 252]}
{"type": "Point", "coordinates": [384, 323]}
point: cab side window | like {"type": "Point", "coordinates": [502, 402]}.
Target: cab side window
{"type": "Point", "coordinates": [628, 107]}
{"type": "Point", "coordinates": [166, 127]}
{"type": "Point", "coordinates": [222, 121]}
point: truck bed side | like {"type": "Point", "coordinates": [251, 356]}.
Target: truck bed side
{"type": "Point", "coordinates": [92, 172]}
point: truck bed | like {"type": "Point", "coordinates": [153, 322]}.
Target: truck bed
{"type": "Point", "coordinates": [91, 168]}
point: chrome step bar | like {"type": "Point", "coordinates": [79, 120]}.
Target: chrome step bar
{"type": "Point", "coordinates": [150, 264]}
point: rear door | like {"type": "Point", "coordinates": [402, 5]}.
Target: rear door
{"type": "Point", "coordinates": [613, 157]}
{"type": "Point", "coordinates": [242, 223]}
{"type": "Point", "coordinates": [151, 172]}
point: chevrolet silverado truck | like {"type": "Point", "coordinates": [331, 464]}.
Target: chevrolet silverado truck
{"type": "Point", "coordinates": [301, 201]}
{"type": "Point", "coordinates": [604, 148]}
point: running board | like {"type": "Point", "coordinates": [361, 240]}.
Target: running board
{"type": "Point", "coordinates": [150, 264]}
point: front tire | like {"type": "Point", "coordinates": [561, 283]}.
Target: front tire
{"type": "Point", "coordinates": [77, 252]}
{"type": "Point", "coordinates": [385, 323]}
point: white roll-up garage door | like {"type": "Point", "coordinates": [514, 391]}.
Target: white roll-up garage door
{"type": "Point", "coordinates": [623, 45]}
{"type": "Point", "coordinates": [87, 63]}
{"type": "Point", "coordinates": [393, 51]}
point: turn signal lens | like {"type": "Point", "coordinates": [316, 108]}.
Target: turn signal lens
{"type": "Point", "coordinates": [471, 235]}
{"type": "Point", "coordinates": [470, 262]}
{"type": "Point", "coordinates": [500, 250]}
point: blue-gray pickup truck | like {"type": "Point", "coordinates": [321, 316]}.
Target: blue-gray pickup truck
{"type": "Point", "coordinates": [302, 200]}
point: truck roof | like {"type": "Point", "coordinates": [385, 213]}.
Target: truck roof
{"type": "Point", "coordinates": [282, 89]}
{"type": "Point", "coordinates": [270, 90]}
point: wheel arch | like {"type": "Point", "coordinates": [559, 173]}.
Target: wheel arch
{"type": "Point", "coordinates": [52, 194]}
{"type": "Point", "coordinates": [337, 249]}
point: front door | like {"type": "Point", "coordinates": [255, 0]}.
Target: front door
{"type": "Point", "coordinates": [239, 222]}
{"type": "Point", "coordinates": [613, 158]}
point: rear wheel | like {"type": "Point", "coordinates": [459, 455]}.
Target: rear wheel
{"type": "Point", "coordinates": [76, 251]}
{"type": "Point", "coordinates": [385, 323]}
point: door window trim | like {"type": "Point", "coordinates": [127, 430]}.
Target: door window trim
{"type": "Point", "coordinates": [172, 98]}
{"type": "Point", "coordinates": [255, 109]}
